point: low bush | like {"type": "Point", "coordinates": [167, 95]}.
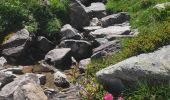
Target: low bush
{"type": "Point", "coordinates": [35, 15]}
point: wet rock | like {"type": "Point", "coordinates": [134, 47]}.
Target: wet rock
{"type": "Point", "coordinates": [80, 49]}
{"type": "Point", "coordinates": [115, 19]}
{"type": "Point", "coordinates": [60, 58]}
{"type": "Point", "coordinates": [68, 32]}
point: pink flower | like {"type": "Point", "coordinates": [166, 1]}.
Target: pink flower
{"type": "Point", "coordinates": [120, 98]}
{"type": "Point", "coordinates": [108, 96]}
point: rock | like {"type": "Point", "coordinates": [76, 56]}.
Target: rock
{"type": "Point", "coordinates": [44, 44]}
{"type": "Point", "coordinates": [29, 91]}
{"type": "Point", "coordinates": [14, 70]}
{"type": "Point", "coordinates": [97, 9]}
{"type": "Point", "coordinates": [83, 64]}
{"type": "Point", "coordinates": [23, 88]}
{"type": "Point", "coordinates": [106, 49]}
{"type": "Point", "coordinates": [112, 31]}
{"type": "Point", "coordinates": [60, 58]}
{"type": "Point", "coordinates": [71, 93]}
{"type": "Point", "coordinates": [61, 80]}
{"type": "Point", "coordinates": [162, 6]}
{"type": "Point", "coordinates": [14, 49]}
{"type": "Point", "coordinates": [115, 19]}
{"type": "Point", "coordinates": [68, 32]}
{"type": "Point", "coordinates": [5, 78]}
{"type": "Point", "coordinates": [80, 49]}
{"type": "Point", "coordinates": [95, 22]}
{"type": "Point", "coordinates": [78, 20]}
{"type": "Point", "coordinates": [2, 62]}
{"type": "Point", "coordinates": [101, 40]}
{"type": "Point", "coordinates": [152, 68]}
{"type": "Point", "coordinates": [27, 69]}
{"type": "Point", "coordinates": [42, 79]}
{"type": "Point", "coordinates": [91, 28]}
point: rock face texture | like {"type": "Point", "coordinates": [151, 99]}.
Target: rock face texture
{"type": "Point", "coordinates": [61, 80]}
{"type": "Point", "coordinates": [80, 49]}
{"type": "Point", "coordinates": [60, 58]}
{"type": "Point", "coordinates": [78, 14]}
{"type": "Point", "coordinates": [106, 49]}
{"type": "Point", "coordinates": [25, 87]}
{"type": "Point", "coordinates": [112, 31]}
{"type": "Point", "coordinates": [68, 32]}
{"type": "Point", "coordinates": [115, 19]}
{"type": "Point", "coordinates": [97, 9]}
{"type": "Point", "coordinates": [17, 44]}
{"type": "Point", "coordinates": [152, 67]}
{"type": "Point", "coordinates": [3, 61]}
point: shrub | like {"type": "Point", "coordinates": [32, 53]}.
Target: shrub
{"type": "Point", "coordinates": [35, 15]}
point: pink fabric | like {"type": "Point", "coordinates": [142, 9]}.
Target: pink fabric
{"type": "Point", "coordinates": [108, 96]}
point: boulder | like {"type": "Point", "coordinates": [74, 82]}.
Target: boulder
{"type": "Point", "coordinates": [112, 31]}
{"type": "Point", "coordinates": [78, 15]}
{"type": "Point", "coordinates": [42, 78]}
{"type": "Point", "coordinates": [115, 19]}
{"type": "Point", "coordinates": [5, 78]}
{"type": "Point", "coordinates": [68, 32]}
{"type": "Point", "coordinates": [60, 58]}
{"type": "Point", "coordinates": [106, 49]}
{"type": "Point", "coordinates": [162, 6]}
{"type": "Point", "coordinates": [97, 9]}
{"type": "Point", "coordinates": [83, 64]}
{"type": "Point", "coordinates": [95, 22]}
{"type": "Point", "coordinates": [3, 61]}
{"type": "Point", "coordinates": [101, 40]}
{"type": "Point", "coordinates": [15, 48]}
{"type": "Point", "coordinates": [61, 80]}
{"type": "Point", "coordinates": [44, 44]}
{"type": "Point", "coordinates": [25, 87]}
{"type": "Point", "coordinates": [152, 68]}
{"type": "Point", "coordinates": [80, 49]}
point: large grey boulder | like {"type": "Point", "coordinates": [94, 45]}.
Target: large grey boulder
{"type": "Point", "coordinates": [115, 19]}
{"type": "Point", "coordinates": [15, 47]}
{"type": "Point", "coordinates": [78, 15]}
{"type": "Point", "coordinates": [25, 87]}
{"type": "Point", "coordinates": [111, 31]}
{"type": "Point", "coordinates": [68, 32]}
{"type": "Point", "coordinates": [97, 9]}
{"type": "Point", "coordinates": [106, 49]}
{"type": "Point", "coordinates": [152, 67]}
{"type": "Point", "coordinates": [60, 58]}
{"type": "Point", "coordinates": [80, 49]}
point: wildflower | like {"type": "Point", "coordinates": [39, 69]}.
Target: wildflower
{"type": "Point", "coordinates": [120, 98]}
{"type": "Point", "coordinates": [108, 96]}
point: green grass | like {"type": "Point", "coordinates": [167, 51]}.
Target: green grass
{"type": "Point", "coordinates": [154, 29]}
